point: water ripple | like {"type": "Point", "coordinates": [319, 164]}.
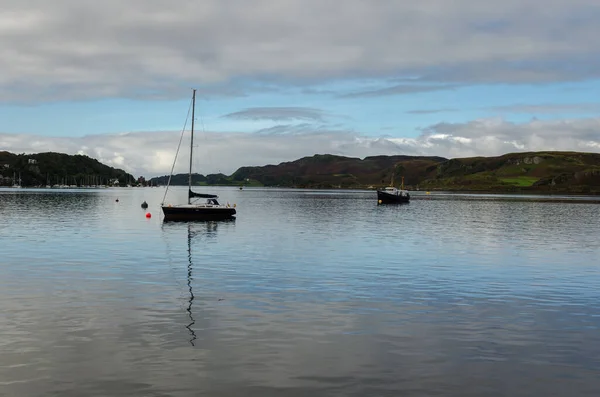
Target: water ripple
{"type": "Point", "coordinates": [307, 292]}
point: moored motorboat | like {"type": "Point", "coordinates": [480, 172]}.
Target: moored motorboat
{"type": "Point", "coordinates": [393, 195]}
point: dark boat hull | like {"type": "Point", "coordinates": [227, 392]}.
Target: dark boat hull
{"type": "Point", "coordinates": [386, 198]}
{"type": "Point", "coordinates": [198, 214]}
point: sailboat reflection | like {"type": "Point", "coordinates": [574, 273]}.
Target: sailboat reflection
{"type": "Point", "coordinates": [197, 230]}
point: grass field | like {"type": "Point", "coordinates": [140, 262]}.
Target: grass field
{"type": "Point", "coordinates": [523, 181]}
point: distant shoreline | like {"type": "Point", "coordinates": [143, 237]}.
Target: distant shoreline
{"type": "Point", "coordinates": [540, 195]}
{"type": "Point", "coordinates": [551, 173]}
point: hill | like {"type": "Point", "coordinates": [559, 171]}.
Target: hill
{"type": "Point", "coordinates": [322, 171]}
{"type": "Point", "coordinates": [197, 180]}
{"type": "Point", "coordinates": [326, 171]}
{"type": "Point", "coordinates": [544, 172]}
{"type": "Point", "coordinates": [559, 172]}
{"type": "Point", "coordinates": [51, 168]}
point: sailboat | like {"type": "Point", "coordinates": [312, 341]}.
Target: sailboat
{"type": "Point", "coordinates": [393, 195]}
{"type": "Point", "coordinates": [15, 184]}
{"type": "Point", "coordinates": [194, 211]}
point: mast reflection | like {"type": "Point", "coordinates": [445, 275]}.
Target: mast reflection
{"type": "Point", "coordinates": [189, 283]}
{"type": "Point", "coordinates": [196, 230]}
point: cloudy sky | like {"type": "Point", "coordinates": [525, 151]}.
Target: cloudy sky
{"type": "Point", "coordinates": [278, 80]}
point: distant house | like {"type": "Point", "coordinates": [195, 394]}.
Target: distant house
{"type": "Point", "coordinates": [115, 182]}
{"type": "Point", "coordinates": [32, 161]}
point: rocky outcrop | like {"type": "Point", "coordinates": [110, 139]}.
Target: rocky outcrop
{"type": "Point", "coordinates": [526, 160]}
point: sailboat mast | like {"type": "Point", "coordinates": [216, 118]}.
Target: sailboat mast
{"type": "Point", "coordinates": [191, 145]}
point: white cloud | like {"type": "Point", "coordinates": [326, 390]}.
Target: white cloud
{"type": "Point", "coordinates": [152, 153]}
{"type": "Point", "coordinates": [70, 49]}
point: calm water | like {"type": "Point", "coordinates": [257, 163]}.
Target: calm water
{"type": "Point", "coordinates": [318, 293]}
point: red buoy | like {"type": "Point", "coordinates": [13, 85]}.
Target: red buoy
{"type": "Point", "coordinates": [148, 215]}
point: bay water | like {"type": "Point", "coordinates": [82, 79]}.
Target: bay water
{"type": "Point", "coordinates": [306, 292]}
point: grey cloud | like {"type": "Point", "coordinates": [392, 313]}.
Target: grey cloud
{"type": "Point", "coordinates": [289, 129]}
{"type": "Point", "coordinates": [431, 111]}
{"type": "Point", "coordinates": [518, 71]}
{"type": "Point", "coordinates": [550, 108]}
{"type": "Point", "coordinates": [152, 153]}
{"type": "Point", "coordinates": [278, 114]}
{"type": "Point", "coordinates": [68, 49]}
{"type": "Point", "coordinates": [316, 91]}
{"type": "Point", "coordinates": [398, 90]}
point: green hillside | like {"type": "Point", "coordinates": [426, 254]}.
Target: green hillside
{"type": "Point", "coordinates": [544, 172]}
{"type": "Point", "coordinates": [197, 180]}
{"type": "Point", "coordinates": [323, 171]}
{"type": "Point", "coordinates": [326, 171]}
{"type": "Point", "coordinates": [50, 168]}
{"type": "Point", "coordinates": [568, 172]}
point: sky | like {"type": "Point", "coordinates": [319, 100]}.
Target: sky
{"type": "Point", "coordinates": [280, 80]}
